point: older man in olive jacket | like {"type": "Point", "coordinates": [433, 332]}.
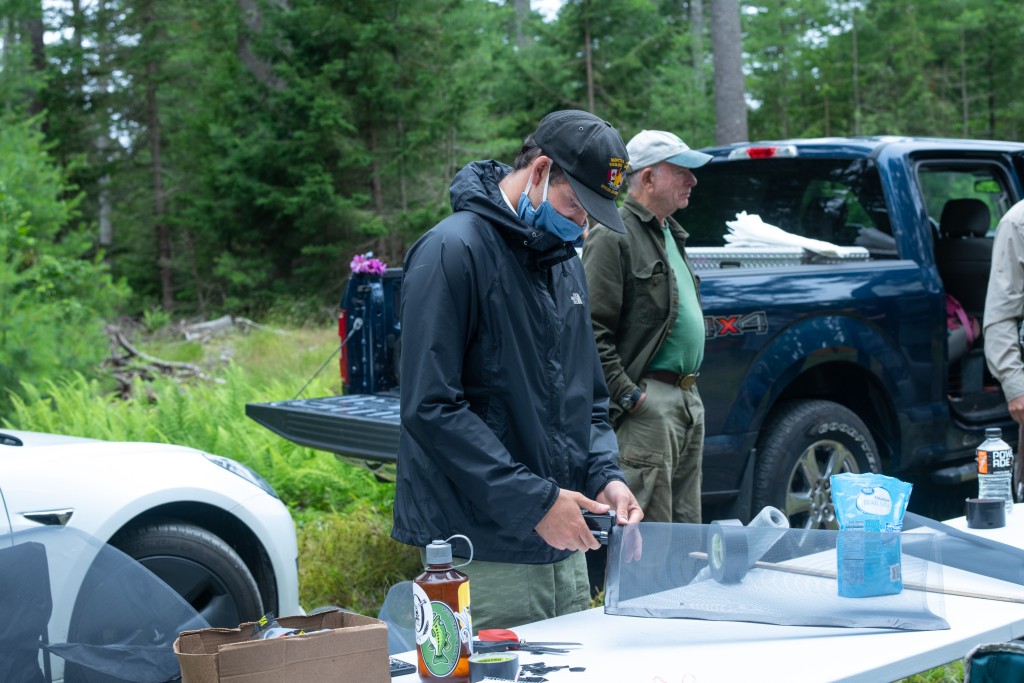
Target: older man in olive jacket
{"type": "Point", "coordinates": [645, 306]}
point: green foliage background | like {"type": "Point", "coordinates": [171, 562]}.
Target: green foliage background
{"type": "Point", "coordinates": [240, 151]}
{"type": "Point", "coordinates": [54, 291]}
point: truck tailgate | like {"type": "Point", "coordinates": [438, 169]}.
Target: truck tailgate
{"type": "Point", "coordinates": [359, 425]}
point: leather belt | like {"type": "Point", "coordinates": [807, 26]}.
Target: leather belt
{"type": "Point", "coordinates": [673, 378]}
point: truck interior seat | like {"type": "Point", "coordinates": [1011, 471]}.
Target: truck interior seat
{"type": "Point", "coordinates": [963, 254]}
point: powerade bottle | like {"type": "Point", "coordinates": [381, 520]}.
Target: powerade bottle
{"type": "Point", "coordinates": [444, 627]}
{"type": "Point", "coordinates": [995, 468]}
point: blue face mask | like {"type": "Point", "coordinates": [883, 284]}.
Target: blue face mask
{"type": "Point", "coordinates": [546, 218]}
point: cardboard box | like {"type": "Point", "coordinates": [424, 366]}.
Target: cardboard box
{"type": "Point", "coordinates": [355, 650]}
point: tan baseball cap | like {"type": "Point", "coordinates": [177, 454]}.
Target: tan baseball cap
{"type": "Point", "coordinates": [649, 147]}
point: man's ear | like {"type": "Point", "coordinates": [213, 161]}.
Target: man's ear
{"type": "Point", "coordinates": [539, 168]}
{"type": "Point", "coordinates": [646, 176]}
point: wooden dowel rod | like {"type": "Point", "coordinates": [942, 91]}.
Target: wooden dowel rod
{"type": "Point", "coordinates": [912, 585]}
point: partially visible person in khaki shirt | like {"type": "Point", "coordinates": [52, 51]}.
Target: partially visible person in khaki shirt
{"type": "Point", "coordinates": [1004, 309]}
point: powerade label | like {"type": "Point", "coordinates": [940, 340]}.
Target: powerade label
{"type": "Point", "coordinates": [440, 631]}
{"type": "Point", "coordinates": [995, 462]}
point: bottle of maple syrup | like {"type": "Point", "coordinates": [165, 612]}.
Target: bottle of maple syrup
{"type": "Point", "coordinates": [444, 626]}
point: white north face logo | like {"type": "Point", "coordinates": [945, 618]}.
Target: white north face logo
{"type": "Point", "coordinates": [576, 298]}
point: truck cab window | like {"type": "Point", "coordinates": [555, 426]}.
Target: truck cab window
{"type": "Point", "coordinates": [834, 200]}
{"type": "Point", "coordinates": [986, 182]}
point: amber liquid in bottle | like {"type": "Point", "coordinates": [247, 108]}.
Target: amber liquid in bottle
{"type": "Point", "coordinates": [450, 633]}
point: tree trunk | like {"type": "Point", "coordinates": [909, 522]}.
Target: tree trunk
{"type": "Point", "coordinates": [856, 72]}
{"type": "Point", "coordinates": [697, 51]}
{"type": "Point", "coordinates": [103, 141]}
{"type": "Point", "coordinates": [376, 190]}
{"type": "Point", "coordinates": [727, 47]}
{"type": "Point", "coordinates": [163, 236]}
{"type": "Point", "coordinates": [521, 15]}
{"type": "Point", "coordinates": [828, 123]}
{"type": "Point", "coordinates": [197, 279]}
{"type": "Point", "coordinates": [588, 56]}
{"type": "Point", "coordinates": [965, 114]}
{"type": "Point", "coordinates": [261, 69]}
{"type": "Point", "coordinates": [32, 27]}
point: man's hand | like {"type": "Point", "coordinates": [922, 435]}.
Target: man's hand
{"type": "Point", "coordinates": [617, 495]}
{"type": "Point", "coordinates": [1016, 407]}
{"type": "Point", "coordinates": [563, 526]}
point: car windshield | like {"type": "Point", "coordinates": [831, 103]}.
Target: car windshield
{"type": "Point", "coordinates": [834, 200]}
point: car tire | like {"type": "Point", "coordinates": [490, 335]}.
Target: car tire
{"type": "Point", "coordinates": [196, 563]}
{"type": "Point", "coordinates": [803, 443]}
{"type": "Point", "coordinates": [199, 566]}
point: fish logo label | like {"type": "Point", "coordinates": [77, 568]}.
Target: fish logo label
{"type": "Point", "coordinates": [438, 633]}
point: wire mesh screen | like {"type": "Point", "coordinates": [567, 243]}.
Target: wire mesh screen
{"type": "Point", "coordinates": [772, 574]}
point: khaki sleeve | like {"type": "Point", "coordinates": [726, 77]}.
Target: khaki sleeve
{"type": "Point", "coordinates": [1004, 304]}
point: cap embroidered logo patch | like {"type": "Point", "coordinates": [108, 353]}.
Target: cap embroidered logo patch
{"type": "Point", "coordinates": [615, 173]}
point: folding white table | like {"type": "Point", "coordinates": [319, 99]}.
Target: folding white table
{"type": "Point", "coordinates": [624, 649]}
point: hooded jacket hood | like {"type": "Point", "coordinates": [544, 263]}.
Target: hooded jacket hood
{"type": "Point", "coordinates": [475, 189]}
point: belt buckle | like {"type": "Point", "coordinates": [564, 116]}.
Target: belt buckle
{"type": "Point", "coordinates": [687, 381]}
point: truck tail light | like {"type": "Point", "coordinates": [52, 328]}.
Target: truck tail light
{"type": "Point", "coordinates": [764, 152]}
{"type": "Point", "coordinates": [342, 357]}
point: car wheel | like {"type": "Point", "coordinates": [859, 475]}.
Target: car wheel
{"type": "Point", "coordinates": [803, 444]}
{"type": "Point", "coordinates": [199, 566]}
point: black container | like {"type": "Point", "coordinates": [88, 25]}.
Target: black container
{"type": "Point", "coordinates": [985, 513]}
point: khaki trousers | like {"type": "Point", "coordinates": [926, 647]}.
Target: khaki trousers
{"type": "Point", "coordinates": [661, 448]}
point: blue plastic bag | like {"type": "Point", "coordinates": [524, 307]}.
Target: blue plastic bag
{"type": "Point", "coordinates": [870, 509]}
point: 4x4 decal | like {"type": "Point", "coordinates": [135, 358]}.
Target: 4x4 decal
{"type": "Point", "coordinates": [734, 325]}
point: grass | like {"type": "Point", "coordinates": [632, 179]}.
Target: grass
{"type": "Point", "coordinates": [950, 673]}
{"type": "Point", "coordinates": [342, 512]}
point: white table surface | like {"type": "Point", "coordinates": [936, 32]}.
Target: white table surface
{"type": "Point", "coordinates": [624, 649]}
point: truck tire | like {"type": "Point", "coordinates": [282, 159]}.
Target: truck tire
{"type": "Point", "coordinates": [802, 444]}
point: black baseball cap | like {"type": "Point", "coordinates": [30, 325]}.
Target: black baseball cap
{"type": "Point", "coordinates": [593, 156]}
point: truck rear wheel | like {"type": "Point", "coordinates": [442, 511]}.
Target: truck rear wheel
{"type": "Point", "coordinates": [802, 444]}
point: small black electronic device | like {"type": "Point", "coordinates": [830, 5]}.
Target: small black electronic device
{"type": "Point", "coordinates": [600, 524]}
{"type": "Point", "coordinates": [400, 668]}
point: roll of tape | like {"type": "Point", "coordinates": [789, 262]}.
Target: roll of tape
{"type": "Point", "coordinates": [493, 666]}
{"type": "Point", "coordinates": [727, 550]}
{"type": "Point", "coordinates": [770, 517]}
{"type": "Point", "coordinates": [986, 513]}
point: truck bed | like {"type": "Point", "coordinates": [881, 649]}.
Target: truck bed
{"type": "Point", "coordinates": [361, 426]}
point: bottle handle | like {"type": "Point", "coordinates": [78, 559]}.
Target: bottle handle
{"type": "Point", "coordinates": [469, 542]}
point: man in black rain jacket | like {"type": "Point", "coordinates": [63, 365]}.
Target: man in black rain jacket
{"type": "Point", "coordinates": [505, 433]}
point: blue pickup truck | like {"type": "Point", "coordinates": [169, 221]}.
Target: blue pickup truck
{"type": "Point", "coordinates": [816, 362]}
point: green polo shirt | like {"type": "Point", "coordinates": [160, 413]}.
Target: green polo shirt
{"type": "Point", "coordinates": [683, 350]}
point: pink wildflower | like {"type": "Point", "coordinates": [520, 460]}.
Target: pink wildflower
{"type": "Point", "coordinates": [365, 263]}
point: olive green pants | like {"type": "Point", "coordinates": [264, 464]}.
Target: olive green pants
{"type": "Point", "coordinates": [503, 595]}
{"type": "Point", "coordinates": [661, 448]}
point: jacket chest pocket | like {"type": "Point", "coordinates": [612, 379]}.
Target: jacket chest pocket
{"type": "Point", "coordinates": [652, 291]}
